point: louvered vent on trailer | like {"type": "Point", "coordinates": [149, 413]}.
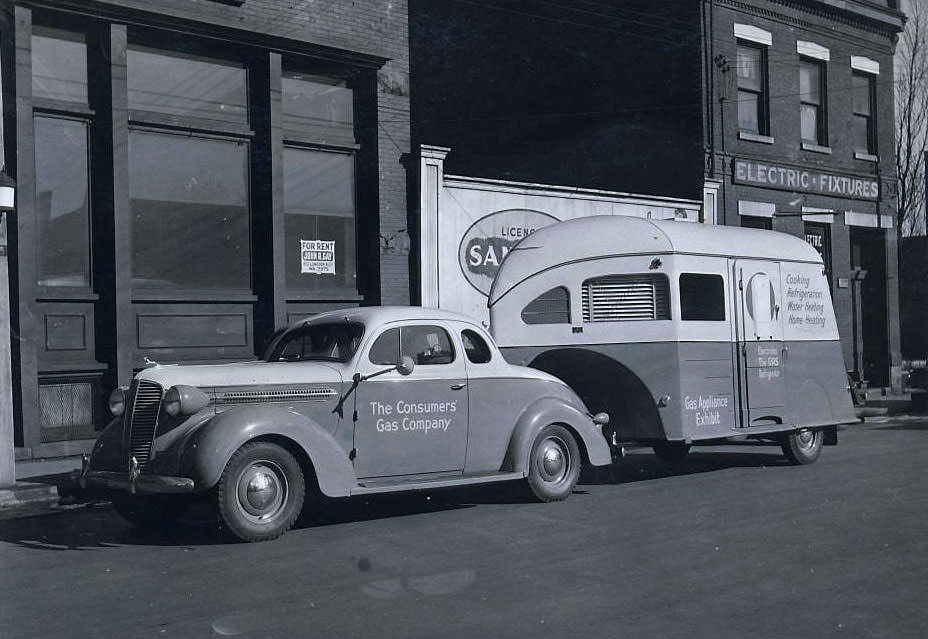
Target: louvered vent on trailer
{"type": "Point", "coordinates": [622, 298]}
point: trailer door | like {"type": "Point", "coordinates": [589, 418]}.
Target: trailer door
{"type": "Point", "coordinates": [759, 344]}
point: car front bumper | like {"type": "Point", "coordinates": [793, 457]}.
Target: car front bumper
{"type": "Point", "coordinates": [143, 484]}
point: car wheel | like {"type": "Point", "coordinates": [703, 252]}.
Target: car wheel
{"type": "Point", "coordinates": [149, 511]}
{"type": "Point", "coordinates": [803, 446]}
{"type": "Point", "coordinates": [671, 452]}
{"type": "Point", "coordinates": [260, 492]}
{"type": "Point", "coordinates": [554, 464]}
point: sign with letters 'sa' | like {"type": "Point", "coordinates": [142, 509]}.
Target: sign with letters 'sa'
{"type": "Point", "coordinates": [789, 178]}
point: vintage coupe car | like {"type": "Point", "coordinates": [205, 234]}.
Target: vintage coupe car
{"type": "Point", "coordinates": [353, 402]}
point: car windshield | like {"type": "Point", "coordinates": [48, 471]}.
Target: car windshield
{"type": "Point", "coordinates": [334, 342]}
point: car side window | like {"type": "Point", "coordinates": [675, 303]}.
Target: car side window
{"type": "Point", "coordinates": [475, 347]}
{"type": "Point", "coordinates": [386, 348]}
{"type": "Point", "coordinates": [426, 345]}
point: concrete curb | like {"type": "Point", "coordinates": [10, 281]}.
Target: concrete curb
{"type": "Point", "coordinates": [27, 498]}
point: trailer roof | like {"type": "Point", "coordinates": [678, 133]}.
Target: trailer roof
{"type": "Point", "coordinates": [617, 235]}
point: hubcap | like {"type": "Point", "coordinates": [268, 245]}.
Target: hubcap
{"type": "Point", "coordinates": [262, 491]}
{"type": "Point", "coordinates": [805, 438]}
{"type": "Point", "coordinates": [553, 459]}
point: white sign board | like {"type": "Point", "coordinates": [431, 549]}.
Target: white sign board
{"type": "Point", "coordinates": [317, 256]}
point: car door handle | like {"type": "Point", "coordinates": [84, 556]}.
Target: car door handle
{"type": "Point", "coordinates": [457, 386]}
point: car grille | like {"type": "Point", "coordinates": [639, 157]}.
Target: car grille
{"type": "Point", "coordinates": [145, 408]}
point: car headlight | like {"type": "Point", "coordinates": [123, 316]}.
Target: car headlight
{"type": "Point", "coordinates": [184, 400]}
{"type": "Point", "coordinates": [117, 401]}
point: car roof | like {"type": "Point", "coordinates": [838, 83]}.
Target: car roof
{"type": "Point", "coordinates": [385, 314]}
{"type": "Point", "coordinates": [616, 235]}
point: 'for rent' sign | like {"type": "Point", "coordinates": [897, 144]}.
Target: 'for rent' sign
{"type": "Point", "coordinates": [778, 176]}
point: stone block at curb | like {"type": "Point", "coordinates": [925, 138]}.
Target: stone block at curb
{"type": "Point", "coordinates": [27, 495]}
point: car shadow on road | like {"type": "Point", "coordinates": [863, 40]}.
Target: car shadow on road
{"type": "Point", "coordinates": [643, 467]}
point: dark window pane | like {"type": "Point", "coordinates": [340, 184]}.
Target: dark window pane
{"type": "Point", "coordinates": [808, 118]}
{"type": "Point", "coordinates": [751, 222]}
{"type": "Point", "coordinates": [62, 211]}
{"type": "Point", "coordinates": [475, 347]}
{"type": "Point", "coordinates": [59, 65]}
{"type": "Point", "coordinates": [551, 307]}
{"type": "Point", "coordinates": [860, 138]}
{"type": "Point", "coordinates": [810, 83]}
{"type": "Point", "coordinates": [862, 98]}
{"type": "Point", "coordinates": [386, 348]}
{"type": "Point", "coordinates": [749, 68]}
{"type": "Point", "coordinates": [189, 199]}
{"type": "Point", "coordinates": [321, 107]}
{"type": "Point", "coordinates": [748, 112]}
{"type": "Point", "coordinates": [185, 85]}
{"type": "Point", "coordinates": [319, 219]}
{"type": "Point", "coordinates": [335, 342]}
{"type": "Point", "coordinates": [702, 297]}
{"type": "Point", "coordinates": [426, 345]}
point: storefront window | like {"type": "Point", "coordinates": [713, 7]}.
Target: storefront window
{"type": "Point", "coordinates": [319, 219]}
{"type": "Point", "coordinates": [319, 107]}
{"type": "Point", "coordinates": [184, 85]}
{"type": "Point", "coordinates": [189, 204]}
{"type": "Point", "coordinates": [819, 237]}
{"type": "Point", "coordinates": [62, 209]}
{"type": "Point", "coordinates": [59, 65]}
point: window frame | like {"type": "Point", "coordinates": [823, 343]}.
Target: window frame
{"type": "Point", "coordinates": [821, 108]}
{"type": "Point", "coordinates": [762, 94]}
{"type": "Point", "coordinates": [871, 117]}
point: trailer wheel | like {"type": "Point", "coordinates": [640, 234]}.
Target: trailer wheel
{"type": "Point", "coordinates": [554, 465]}
{"type": "Point", "coordinates": [802, 446]}
{"type": "Point", "coordinates": [260, 492]}
{"type": "Point", "coordinates": [671, 452]}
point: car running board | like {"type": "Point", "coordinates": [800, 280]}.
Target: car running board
{"type": "Point", "coordinates": [431, 484]}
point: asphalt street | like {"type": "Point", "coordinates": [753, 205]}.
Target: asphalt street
{"type": "Point", "coordinates": [735, 543]}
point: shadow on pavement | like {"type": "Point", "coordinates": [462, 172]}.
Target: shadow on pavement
{"type": "Point", "coordinates": [96, 526]}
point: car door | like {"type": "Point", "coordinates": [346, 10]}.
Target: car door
{"type": "Point", "coordinates": [411, 424]}
{"type": "Point", "coordinates": [760, 341]}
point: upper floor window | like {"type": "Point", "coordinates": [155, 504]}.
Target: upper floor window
{"type": "Point", "coordinates": [812, 102]}
{"type": "Point", "coordinates": [863, 129]}
{"type": "Point", "coordinates": [753, 99]}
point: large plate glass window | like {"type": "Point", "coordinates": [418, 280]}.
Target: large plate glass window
{"type": "Point", "coordinates": [189, 206]}
{"type": "Point", "coordinates": [318, 107]}
{"type": "Point", "coordinates": [62, 183]}
{"type": "Point", "coordinates": [59, 65]}
{"type": "Point", "coordinates": [319, 219]}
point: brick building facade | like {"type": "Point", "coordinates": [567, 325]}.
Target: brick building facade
{"type": "Point", "coordinates": [191, 175]}
{"type": "Point", "coordinates": [773, 113]}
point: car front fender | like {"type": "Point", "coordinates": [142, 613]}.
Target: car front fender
{"type": "Point", "coordinates": [107, 452]}
{"type": "Point", "coordinates": [208, 449]}
{"type": "Point", "coordinates": [552, 410]}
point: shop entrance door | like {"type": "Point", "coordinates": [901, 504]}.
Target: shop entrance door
{"type": "Point", "coordinates": [868, 281]}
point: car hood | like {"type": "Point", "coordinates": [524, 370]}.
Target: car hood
{"type": "Point", "coordinates": [244, 374]}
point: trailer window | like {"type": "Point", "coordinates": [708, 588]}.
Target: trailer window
{"type": "Point", "coordinates": [551, 307]}
{"type": "Point", "coordinates": [702, 297]}
{"type": "Point", "coordinates": [622, 298]}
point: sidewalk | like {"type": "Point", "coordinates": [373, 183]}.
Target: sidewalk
{"type": "Point", "coordinates": [41, 487]}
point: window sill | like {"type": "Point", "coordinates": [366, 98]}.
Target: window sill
{"type": "Point", "coordinates": [65, 295]}
{"type": "Point", "coordinates": [193, 296]}
{"type": "Point", "coordinates": [324, 295]}
{"type": "Point", "coordinates": [755, 137]}
{"type": "Point", "coordinates": [866, 157]}
{"type": "Point", "coordinates": [816, 148]}
{"type": "Point", "coordinates": [166, 122]}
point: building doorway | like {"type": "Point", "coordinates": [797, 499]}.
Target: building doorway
{"type": "Point", "coordinates": [868, 282]}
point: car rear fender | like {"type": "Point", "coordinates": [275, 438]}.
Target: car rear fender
{"type": "Point", "coordinates": [208, 449]}
{"type": "Point", "coordinates": [552, 410]}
